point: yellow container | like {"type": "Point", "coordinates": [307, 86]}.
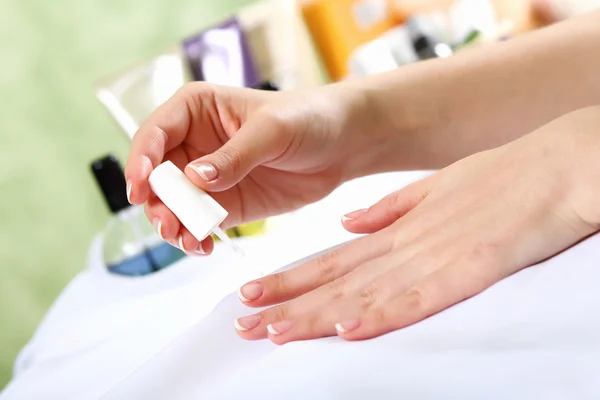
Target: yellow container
{"type": "Point", "coordinates": [340, 26]}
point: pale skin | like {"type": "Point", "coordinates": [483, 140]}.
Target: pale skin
{"type": "Point", "coordinates": [515, 128]}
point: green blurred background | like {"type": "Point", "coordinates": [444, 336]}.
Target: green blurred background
{"type": "Point", "coordinates": [52, 126]}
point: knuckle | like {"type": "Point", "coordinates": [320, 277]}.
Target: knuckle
{"type": "Point", "coordinates": [479, 263]}
{"type": "Point", "coordinates": [279, 282]}
{"type": "Point", "coordinates": [312, 322]}
{"type": "Point", "coordinates": [338, 288]}
{"type": "Point", "coordinates": [369, 297]}
{"type": "Point", "coordinates": [328, 266]}
{"type": "Point", "coordinates": [280, 313]}
{"type": "Point", "coordinates": [481, 254]}
{"type": "Point", "coordinates": [230, 157]}
{"type": "Point", "coordinates": [379, 316]}
{"type": "Point", "coordinates": [194, 89]}
{"type": "Point", "coordinates": [392, 198]}
{"type": "Point", "coordinates": [416, 298]}
{"type": "Point", "coordinates": [193, 94]}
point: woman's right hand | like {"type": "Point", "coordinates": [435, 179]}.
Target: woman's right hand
{"type": "Point", "coordinates": [259, 153]}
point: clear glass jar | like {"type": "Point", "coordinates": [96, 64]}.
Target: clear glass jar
{"type": "Point", "coordinates": [132, 247]}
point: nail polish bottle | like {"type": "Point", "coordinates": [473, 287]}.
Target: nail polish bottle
{"type": "Point", "coordinates": [130, 245]}
{"type": "Point", "coordinates": [195, 209]}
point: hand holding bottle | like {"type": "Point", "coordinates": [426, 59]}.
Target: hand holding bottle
{"type": "Point", "coordinates": [258, 153]}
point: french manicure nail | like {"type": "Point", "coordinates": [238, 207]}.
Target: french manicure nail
{"type": "Point", "coordinates": [157, 223]}
{"type": "Point", "coordinates": [129, 185]}
{"type": "Point", "coordinates": [200, 250]}
{"type": "Point", "coordinates": [181, 243]}
{"type": "Point", "coordinates": [347, 326]}
{"type": "Point", "coordinates": [250, 291]}
{"type": "Point", "coordinates": [247, 323]}
{"type": "Point", "coordinates": [354, 215]}
{"type": "Point", "coordinates": [206, 171]}
{"type": "Point", "coordinates": [279, 328]}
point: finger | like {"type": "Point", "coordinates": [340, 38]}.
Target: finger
{"type": "Point", "coordinates": [346, 286]}
{"type": "Point", "coordinates": [281, 287]}
{"type": "Point", "coordinates": [187, 242]}
{"type": "Point", "coordinates": [321, 321]}
{"type": "Point", "coordinates": [161, 217]}
{"type": "Point", "coordinates": [206, 246]}
{"type": "Point", "coordinates": [164, 221]}
{"type": "Point", "coordinates": [388, 210]}
{"type": "Point", "coordinates": [433, 294]}
{"type": "Point", "coordinates": [166, 128]}
{"type": "Point", "coordinates": [366, 287]}
{"type": "Point", "coordinates": [259, 140]}
{"type": "Point", "coordinates": [317, 324]}
{"type": "Point", "coordinates": [190, 245]}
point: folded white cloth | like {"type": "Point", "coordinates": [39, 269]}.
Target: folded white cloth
{"type": "Point", "coordinates": [170, 335]}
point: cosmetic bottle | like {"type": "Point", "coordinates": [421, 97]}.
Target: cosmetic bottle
{"type": "Point", "coordinates": [130, 245]}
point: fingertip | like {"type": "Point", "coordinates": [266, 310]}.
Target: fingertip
{"type": "Point", "coordinates": [187, 242]}
{"type": "Point", "coordinates": [136, 175]}
{"type": "Point", "coordinates": [354, 226]}
{"type": "Point", "coordinates": [206, 246]}
{"type": "Point", "coordinates": [357, 222]}
{"type": "Point", "coordinates": [252, 294]}
{"type": "Point", "coordinates": [207, 177]}
{"type": "Point", "coordinates": [349, 330]}
{"type": "Point", "coordinates": [165, 222]}
{"type": "Point", "coordinates": [194, 176]}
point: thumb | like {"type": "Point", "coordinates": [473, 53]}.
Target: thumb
{"type": "Point", "coordinates": [386, 211]}
{"type": "Point", "coordinates": [258, 141]}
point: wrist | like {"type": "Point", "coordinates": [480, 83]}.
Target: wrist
{"type": "Point", "coordinates": [386, 125]}
{"type": "Point", "coordinates": [566, 167]}
{"type": "Point", "coordinates": [580, 137]}
{"type": "Point", "coordinates": [411, 117]}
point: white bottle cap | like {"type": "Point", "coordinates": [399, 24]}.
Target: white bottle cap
{"type": "Point", "coordinates": [194, 208]}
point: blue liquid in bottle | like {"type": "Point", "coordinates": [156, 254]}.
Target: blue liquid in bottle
{"type": "Point", "coordinates": [151, 260]}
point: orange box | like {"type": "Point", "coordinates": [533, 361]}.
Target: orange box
{"type": "Point", "coordinates": [340, 26]}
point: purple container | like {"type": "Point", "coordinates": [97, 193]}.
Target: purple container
{"type": "Point", "coordinates": [221, 55]}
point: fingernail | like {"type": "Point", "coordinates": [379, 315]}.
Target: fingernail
{"type": "Point", "coordinates": [250, 291]}
{"type": "Point", "coordinates": [206, 171]}
{"type": "Point", "coordinates": [279, 328]}
{"type": "Point", "coordinates": [348, 326]}
{"type": "Point", "coordinates": [354, 215]}
{"type": "Point", "coordinates": [247, 323]}
{"type": "Point", "coordinates": [157, 223]}
{"type": "Point", "coordinates": [200, 250]}
{"type": "Point", "coordinates": [181, 243]}
{"type": "Point", "coordinates": [129, 184]}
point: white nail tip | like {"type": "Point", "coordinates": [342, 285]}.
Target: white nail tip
{"type": "Point", "coordinates": [339, 328]}
{"type": "Point", "coordinates": [272, 330]}
{"type": "Point", "coordinates": [241, 296]}
{"type": "Point", "coordinates": [159, 229]}
{"type": "Point", "coordinates": [199, 172]}
{"type": "Point", "coordinates": [181, 243]}
{"type": "Point", "coordinates": [128, 191]}
{"type": "Point", "coordinates": [238, 326]}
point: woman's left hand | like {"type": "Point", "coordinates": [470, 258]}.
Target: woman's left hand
{"type": "Point", "coordinates": [441, 240]}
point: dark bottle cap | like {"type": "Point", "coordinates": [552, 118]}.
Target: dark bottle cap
{"type": "Point", "coordinates": [111, 179]}
{"type": "Point", "coordinates": [267, 85]}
